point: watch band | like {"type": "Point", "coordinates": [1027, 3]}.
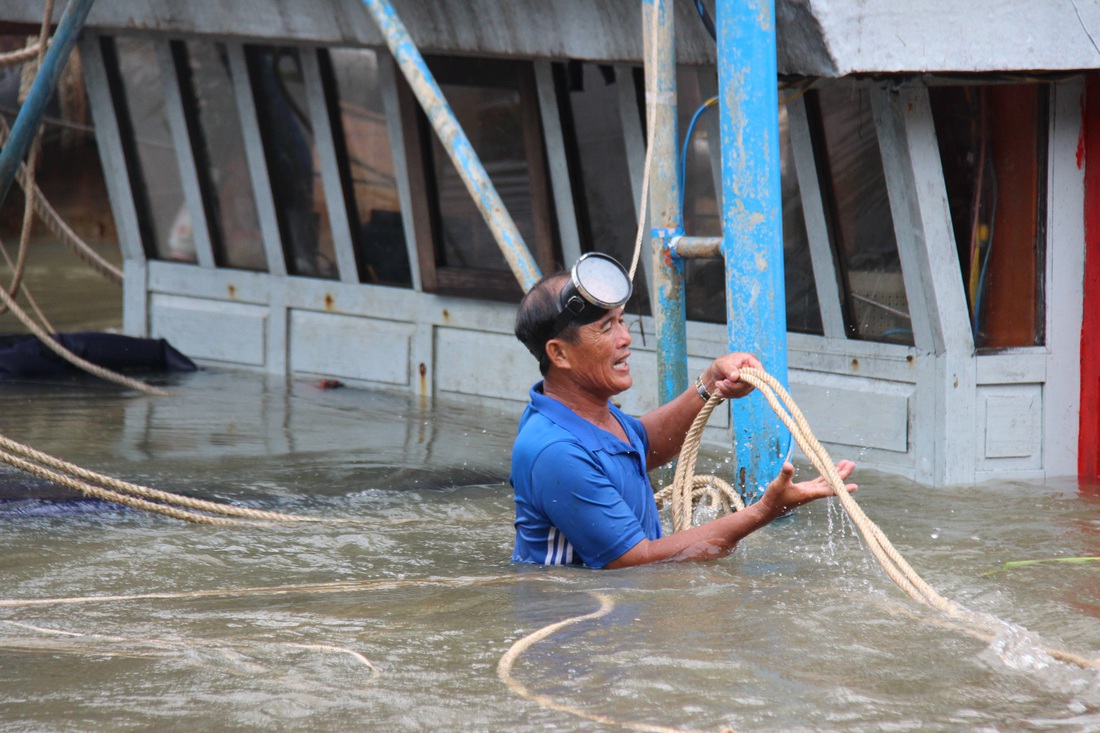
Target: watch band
{"type": "Point", "coordinates": [701, 388]}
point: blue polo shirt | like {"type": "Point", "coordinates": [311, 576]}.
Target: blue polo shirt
{"type": "Point", "coordinates": [582, 495]}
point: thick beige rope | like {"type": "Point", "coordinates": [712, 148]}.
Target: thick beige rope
{"type": "Point", "coordinates": [31, 165]}
{"type": "Point", "coordinates": [53, 221]}
{"type": "Point", "coordinates": [7, 296]}
{"type": "Point", "coordinates": [687, 489]}
{"type": "Point", "coordinates": [508, 661]}
{"type": "Point", "coordinates": [133, 495]}
{"type": "Point", "coordinates": [20, 56]}
{"type": "Point", "coordinates": [881, 548]}
{"type": "Point", "coordinates": [57, 348]}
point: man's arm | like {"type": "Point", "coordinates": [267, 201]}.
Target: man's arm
{"type": "Point", "coordinates": [667, 425]}
{"type": "Point", "coordinates": [719, 537]}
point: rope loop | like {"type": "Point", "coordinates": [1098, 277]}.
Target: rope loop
{"type": "Point", "coordinates": [683, 491]}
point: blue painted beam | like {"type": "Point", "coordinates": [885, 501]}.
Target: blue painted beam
{"type": "Point", "coordinates": [45, 82]}
{"type": "Point", "coordinates": [669, 312]}
{"type": "Point", "coordinates": [455, 142]}
{"type": "Point", "coordinates": [752, 223]}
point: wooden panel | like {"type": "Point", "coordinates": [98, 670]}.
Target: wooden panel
{"type": "Point", "coordinates": [853, 411]}
{"type": "Point", "coordinates": [209, 329]}
{"type": "Point", "coordinates": [353, 348]}
{"type": "Point", "coordinates": [1011, 434]}
{"type": "Point", "coordinates": [483, 364]}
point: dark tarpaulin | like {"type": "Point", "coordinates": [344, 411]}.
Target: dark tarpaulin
{"type": "Point", "coordinates": [23, 356]}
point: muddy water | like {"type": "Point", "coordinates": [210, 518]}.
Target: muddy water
{"type": "Point", "coordinates": [394, 615]}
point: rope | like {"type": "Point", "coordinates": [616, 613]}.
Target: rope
{"type": "Point", "coordinates": [508, 661]}
{"type": "Point", "coordinates": [34, 200]}
{"type": "Point", "coordinates": [53, 221]}
{"type": "Point", "coordinates": [57, 348]}
{"type": "Point", "coordinates": [22, 55]}
{"type": "Point", "coordinates": [881, 548]}
{"type": "Point", "coordinates": [32, 162]}
{"type": "Point", "coordinates": [651, 115]}
{"type": "Point", "coordinates": [185, 508]}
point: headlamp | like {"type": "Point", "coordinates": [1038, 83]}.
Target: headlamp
{"type": "Point", "coordinates": [596, 284]}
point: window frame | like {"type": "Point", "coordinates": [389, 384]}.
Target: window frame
{"type": "Point", "coordinates": [469, 281]}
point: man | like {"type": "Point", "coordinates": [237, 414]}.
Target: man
{"type": "Point", "coordinates": [579, 463]}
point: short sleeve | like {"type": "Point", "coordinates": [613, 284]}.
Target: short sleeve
{"type": "Point", "coordinates": [577, 496]}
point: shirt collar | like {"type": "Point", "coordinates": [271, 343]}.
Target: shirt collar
{"type": "Point", "coordinates": [585, 431]}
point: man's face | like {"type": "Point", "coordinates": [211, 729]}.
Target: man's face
{"type": "Point", "coordinates": [599, 358]}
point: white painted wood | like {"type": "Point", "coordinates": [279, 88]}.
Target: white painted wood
{"type": "Point", "coordinates": [185, 156]}
{"type": "Point", "coordinates": [117, 180]}
{"type": "Point", "coordinates": [483, 364]}
{"type": "Point", "coordinates": [556, 162]}
{"type": "Point", "coordinates": [933, 285]}
{"type": "Point", "coordinates": [1064, 292]}
{"type": "Point", "coordinates": [257, 160]}
{"type": "Point", "coordinates": [350, 347]}
{"type": "Point", "coordinates": [210, 330]}
{"type": "Point", "coordinates": [135, 313]}
{"type": "Point", "coordinates": [337, 205]}
{"type": "Point", "coordinates": [277, 356]}
{"type": "Point", "coordinates": [241, 286]}
{"type": "Point", "coordinates": [854, 358]}
{"type": "Point", "coordinates": [1013, 366]}
{"type": "Point", "coordinates": [608, 31]}
{"type": "Point", "coordinates": [949, 35]}
{"type": "Point", "coordinates": [826, 275]}
{"type": "Point", "coordinates": [422, 361]}
{"type": "Point", "coordinates": [109, 143]}
{"type": "Point", "coordinates": [881, 420]}
{"type": "Point", "coordinates": [395, 128]}
{"type": "Point", "coordinates": [838, 37]}
{"type": "Point", "coordinates": [1010, 427]}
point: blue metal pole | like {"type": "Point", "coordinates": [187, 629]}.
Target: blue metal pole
{"type": "Point", "coordinates": [30, 114]}
{"type": "Point", "coordinates": [752, 223]}
{"type": "Point", "coordinates": [669, 311]}
{"type": "Point", "coordinates": [455, 142]}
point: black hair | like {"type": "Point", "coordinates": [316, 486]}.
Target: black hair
{"type": "Point", "coordinates": [536, 315]}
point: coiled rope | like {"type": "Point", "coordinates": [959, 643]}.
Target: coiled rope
{"type": "Point", "coordinates": [689, 489]}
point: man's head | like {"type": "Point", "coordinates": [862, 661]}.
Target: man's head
{"type": "Point", "coordinates": [560, 305]}
{"type": "Point", "coordinates": [537, 314]}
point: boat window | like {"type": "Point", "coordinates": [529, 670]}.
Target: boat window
{"type": "Point", "coordinates": [210, 108]}
{"type": "Point", "coordinates": [604, 199]}
{"type": "Point", "coordinates": [137, 89]}
{"type": "Point", "coordinates": [993, 147]}
{"type": "Point", "coordinates": [286, 129]}
{"type": "Point", "coordinates": [496, 105]}
{"type": "Point", "coordinates": [858, 212]}
{"type": "Point", "coordinates": [705, 279]}
{"type": "Point", "coordinates": [366, 159]}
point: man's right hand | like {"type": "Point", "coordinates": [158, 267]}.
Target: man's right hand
{"type": "Point", "coordinates": [783, 495]}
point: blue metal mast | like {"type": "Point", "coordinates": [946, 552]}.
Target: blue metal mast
{"type": "Point", "coordinates": [45, 82]}
{"type": "Point", "coordinates": [752, 234]}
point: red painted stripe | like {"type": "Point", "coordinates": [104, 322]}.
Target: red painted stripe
{"type": "Point", "coordinates": [1088, 445]}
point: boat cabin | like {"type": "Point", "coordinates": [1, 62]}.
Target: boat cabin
{"type": "Point", "coordinates": [283, 204]}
